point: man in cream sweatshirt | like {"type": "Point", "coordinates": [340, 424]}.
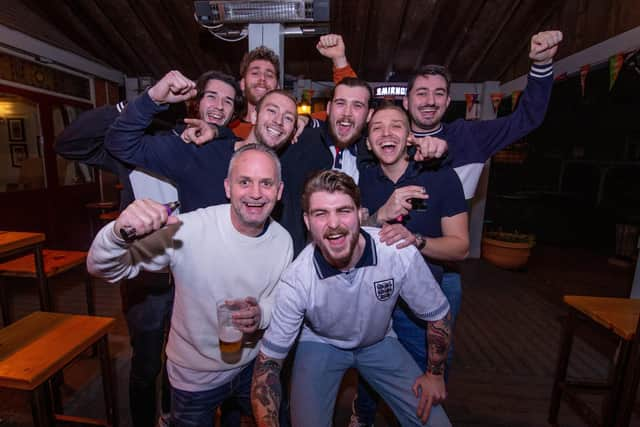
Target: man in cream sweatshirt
{"type": "Point", "coordinates": [233, 252]}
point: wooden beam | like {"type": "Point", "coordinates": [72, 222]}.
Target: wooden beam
{"type": "Point", "coordinates": [428, 34]}
{"type": "Point", "coordinates": [472, 15]}
{"type": "Point", "coordinates": [90, 15]}
{"type": "Point", "coordinates": [522, 46]}
{"type": "Point", "coordinates": [125, 23]}
{"type": "Point", "coordinates": [488, 46]}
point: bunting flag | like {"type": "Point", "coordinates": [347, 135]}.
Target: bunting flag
{"type": "Point", "coordinates": [473, 104]}
{"type": "Point", "coordinates": [561, 77]}
{"type": "Point", "coordinates": [496, 99]}
{"type": "Point", "coordinates": [615, 64]}
{"type": "Point", "coordinates": [515, 96]}
{"type": "Point", "coordinates": [584, 70]}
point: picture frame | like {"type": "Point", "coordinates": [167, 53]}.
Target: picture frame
{"type": "Point", "coordinates": [16, 129]}
{"type": "Point", "coordinates": [19, 153]}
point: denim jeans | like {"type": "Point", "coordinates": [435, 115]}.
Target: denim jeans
{"type": "Point", "coordinates": [412, 334]}
{"type": "Point", "coordinates": [197, 409]}
{"type": "Point", "coordinates": [147, 302]}
{"type": "Point", "coordinates": [318, 370]}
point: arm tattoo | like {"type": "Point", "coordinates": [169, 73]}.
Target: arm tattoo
{"type": "Point", "coordinates": [438, 339]}
{"type": "Point", "coordinates": [266, 390]}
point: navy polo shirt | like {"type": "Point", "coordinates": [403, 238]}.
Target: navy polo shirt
{"type": "Point", "coordinates": [446, 199]}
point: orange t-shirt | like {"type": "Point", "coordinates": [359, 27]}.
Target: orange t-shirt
{"type": "Point", "coordinates": [240, 128]}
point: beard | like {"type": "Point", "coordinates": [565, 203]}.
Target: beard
{"type": "Point", "coordinates": [341, 257]}
{"type": "Point", "coordinates": [340, 141]}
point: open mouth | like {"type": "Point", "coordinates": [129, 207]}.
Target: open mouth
{"type": "Point", "coordinates": [254, 207]}
{"type": "Point", "coordinates": [276, 132]}
{"type": "Point", "coordinates": [388, 147]}
{"type": "Point", "coordinates": [215, 117]}
{"type": "Point", "coordinates": [428, 111]}
{"type": "Point", "coordinates": [336, 240]}
{"type": "Point", "coordinates": [343, 127]}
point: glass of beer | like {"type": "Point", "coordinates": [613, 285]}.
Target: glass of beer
{"type": "Point", "coordinates": [229, 337]}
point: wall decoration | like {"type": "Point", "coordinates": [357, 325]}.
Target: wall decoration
{"type": "Point", "coordinates": [16, 129]}
{"type": "Point", "coordinates": [19, 153]}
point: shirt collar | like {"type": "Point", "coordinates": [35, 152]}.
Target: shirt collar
{"type": "Point", "coordinates": [413, 169]}
{"type": "Point", "coordinates": [326, 270]}
{"type": "Point", "coordinates": [429, 133]}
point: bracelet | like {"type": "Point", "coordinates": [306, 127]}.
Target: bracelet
{"type": "Point", "coordinates": [421, 241]}
{"type": "Point", "coordinates": [435, 369]}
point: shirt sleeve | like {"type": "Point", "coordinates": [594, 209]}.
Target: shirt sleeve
{"type": "Point", "coordinates": [268, 300]}
{"type": "Point", "coordinates": [286, 319]}
{"type": "Point", "coordinates": [490, 136]}
{"type": "Point", "coordinates": [112, 259]}
{"type": "Point", "coordinates": [420, 290]}
{"type": "Point", "coordinates": [342, 72]}
{"type": "Point", "coordinates": [126, 140]}
{"type": "Point", "coordinates": [453, 200]}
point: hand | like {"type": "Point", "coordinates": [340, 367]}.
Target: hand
{"type": "Point", "coordinates": [172, 88]}
{"type": "Point", "coordinates": [428, 147]}
{"type": "Point", "coordinates": [302, 123]}
{"type": "Point", "coordinates": [332, 46]}
{"type": "Point", "coordinates": [394, 233]}
{"type": "Point", "coordinates": [544, 46]}
{"type": "Point", "coordinates": [430, 390]}
{"type": "Point", "coordinates": [247, 319]}
{"type": "Point", "coordinates": [198, 131]}
{"type": "Point", "coordinates": [399, 204]}
{"type": "Point", "coordinates": [144, 217]}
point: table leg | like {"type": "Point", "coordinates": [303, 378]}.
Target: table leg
{"type": "Point", "coordinates": [612, 400]}
{"type": "Point", "coordinates": [562, 367]}
{"type": "Point", "coordinates": [43, 286]}
{"type": "Point", "coordinates": [108, 382]}
{"type": "Point", "coordinates": [41, 406]}
{"type": "Point", "coordinates": [4, 303]}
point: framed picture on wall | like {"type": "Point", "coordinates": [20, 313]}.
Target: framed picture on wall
{"type": "Point", "coordinates": [16, 129]}
{"type": "Point", "coordinates": [19, 153]}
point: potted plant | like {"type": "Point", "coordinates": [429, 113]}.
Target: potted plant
{"type": "Point", "coordinates": [507, 250]}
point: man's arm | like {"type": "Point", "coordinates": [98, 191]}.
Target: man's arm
{"type": "Point", "coordinates": [126, 138]}
{"type": "Point", "coordinates": [493, 135]}
{"type": "Point", "coordinates": [83, 139]}
{"type": "Point", "coordinates": [332, 46]}
{"type": "Point", "coordinates": [113, 258]}
{"type": "Point", "coordinates": [266, 390]}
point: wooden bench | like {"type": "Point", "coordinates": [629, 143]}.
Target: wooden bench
{"type": "Point", "coordinates": [55, 262]}
{"type": "Point", "coordinates": [36, 348]}
{"type": "Point", "coordinates": [621, 317]}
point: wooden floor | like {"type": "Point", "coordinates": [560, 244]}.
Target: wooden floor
{"type": "Point", "coordinates": [506, 340]}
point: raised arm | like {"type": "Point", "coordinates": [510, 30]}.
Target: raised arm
{"type": "Point", "coordinates": [266, 390]}
{"type": "Point", "coordinates": [332, 46]}
{"type": "Point", "coordinates": [126, 138]}
{"type": "Point", "coordinates": [113, 258]}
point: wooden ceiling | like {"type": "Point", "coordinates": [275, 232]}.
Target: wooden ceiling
{"type": "Point", "coordinates": [478, 39]}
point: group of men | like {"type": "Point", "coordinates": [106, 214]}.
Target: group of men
{"type": "Point", "coordinates": [280, 227]}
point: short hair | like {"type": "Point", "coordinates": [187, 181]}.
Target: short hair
{"type": "Point", "coordinates": [330, 181]}
{"type": "Point", "coordinates": [391, 106]}
{"type": "Point", "coordinates": [263, 53]}
{"type": "Point", "coordinates": [282, 92]}
{"type": "Point", "coordinates": [430, 70]}
{"type": "Point", "coordinates": [354, 82]}
{"type": "Point", "coordinates": [257, 147]}
{"type": "Point", "coordinates": [201, 85]}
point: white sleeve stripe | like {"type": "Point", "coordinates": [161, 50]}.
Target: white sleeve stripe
{"type": "Point", "coordinates": [541, 68]}
{"type": "Point", "coordinates": [272, 350]}
{"type": "Point", "coordinates": [538, 75]}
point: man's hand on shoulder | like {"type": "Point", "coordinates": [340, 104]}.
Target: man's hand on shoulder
{"type": "Point", "coordinates": [172, 88]}
{"type": "Point", "coordinates": [332, 46]}
{"type": "Point", "coordinates": [544, 46]}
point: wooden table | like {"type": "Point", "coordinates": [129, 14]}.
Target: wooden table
{"type": "Point", "coordinates": [16, 243]}
{"type": "Point", "coordinates": [620, 316]}
{"type": "Point", "coordinates": [37, 347]}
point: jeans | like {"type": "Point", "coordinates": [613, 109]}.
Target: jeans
{"type": "Point", "coordinates": [198, 408]}
{"type": "Point", "coordinates": [147, 302]}
{"type": "Point", "coordinates": [412, 334]}
{"type": "Point", "coordinates": [318, 370]}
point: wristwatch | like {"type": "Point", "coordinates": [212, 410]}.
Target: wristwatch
{"type": "Point", "coordinates": [421, 241]}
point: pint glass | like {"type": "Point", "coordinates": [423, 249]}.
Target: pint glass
{"type": "Point", "coordinates": [229, 337]}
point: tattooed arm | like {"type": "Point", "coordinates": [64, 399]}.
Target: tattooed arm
{"type": "Point", "coordinates": [266, 390]}
{"type": "Point", "coordinates": [430, 387]}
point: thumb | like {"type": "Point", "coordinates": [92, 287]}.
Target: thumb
{"type": "Point", "coordinates": [251, 301]}
{"type": "Point", "coordinates": [172, 219]}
